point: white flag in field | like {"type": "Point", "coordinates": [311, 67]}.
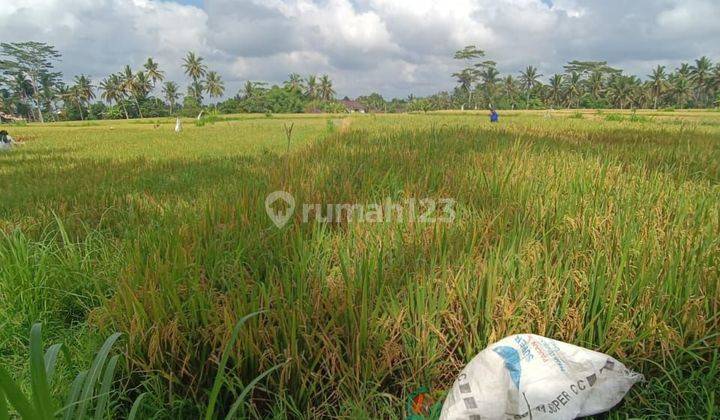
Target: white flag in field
{"type": "Point", "coordinates": [178, 125]}
{"type": "Point", "coordinates": [532, 377]}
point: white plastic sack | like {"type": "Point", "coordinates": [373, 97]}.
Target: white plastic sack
{"type": "Point", "coordinates": [533, 377]}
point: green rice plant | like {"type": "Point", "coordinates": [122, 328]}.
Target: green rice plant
{"type": "Point", "coordinates": [614, 117]}
{"type": "Point", "coordinates": [88, 396]}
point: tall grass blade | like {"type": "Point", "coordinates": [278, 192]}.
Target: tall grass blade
{"type": "Point", "coordinates": [16, 397]}
{"type": "Point", "coordinates": [246, 391]}
{"type": "Point", "coordinates": [220, 377]}
{"type": "Point", "coordinates": [72, 399]}
{"type": "Point", "coordinates": [94, 373]}
{"type": "Point", "coordinates": [136, 407]}
{"type": "Point", "coordinates": [4, 414]}
{"type": "Point", "coordinates": [51, 356]}
{"type": "Point", "coordinates": [104, 395]}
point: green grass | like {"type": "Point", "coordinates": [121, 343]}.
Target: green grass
{"type": "Point", "coordinates": [594, 230]}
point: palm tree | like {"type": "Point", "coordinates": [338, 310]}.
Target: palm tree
{"type": "Point", "coordinates": [311, 89]}
{"type": "Point", "coordinates": [214, 85]}
{"type": "Point", "coordinates": [171, 94]}
{"type": "Point", "coordinates": [529, 80]}
{"type": "Point", "coordinates": [153, 72]}
{"type": "Point", "coordinates": [466, 79]}
{"type": "Point", "coordinates": [82, 92]}
{"type": "Point", "coordinates": [596, 84]}
{"type": "Point", "coordinates": [556, 88]}
{"type": "Point", "coordinates": [700, 74]}
{"type": "Point", "coordinates": [195, 90]}
{"type": "Point", "coordinates": [490, 79]}
{"type": "Point", "coordinates": [48, 92]}
{"type": "Point", "coordinates": [715, 83]}
{"type": "Point", "coordinates": [141, 86]}
{"type": "Point", "coordinates": [294, 82]}
{"type": "Point", "coordinates": [658, 83]}
{"type": "Point", "coordinates": [248, 90]}
{"type": "Point", "coordinates": [325, 89]}
{"type": "Point", "coordinates": [573, 85]}
{"type": "Point", "coordinates": [510, 88]}
{"type": "Point", "coordinates": [111, 88]}
{"type": "Point", "coordinates": [682, 89]}
{"type": "Point", "coordinates": [620, 90]}
{"type": "Point", "coordinates": [195, 69]}
{"type": "Point", "coordinates": [127, 85]}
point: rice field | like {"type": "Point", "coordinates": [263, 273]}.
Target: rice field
{"type": "Point", "coordinates": [597, 228]}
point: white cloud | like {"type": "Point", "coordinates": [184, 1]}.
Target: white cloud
{"type": "Point", "coordinates": [392, 46]}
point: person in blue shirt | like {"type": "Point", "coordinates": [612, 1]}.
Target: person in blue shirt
{"type": "Point", "coordinates": [494, 117]}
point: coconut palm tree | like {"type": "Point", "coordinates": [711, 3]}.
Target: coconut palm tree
{"type": "Point", "coordinates": [311, 87]}
{"type": "Point", "coordinates": [48, 92]}
{"type": "Point", "coordinates": [595, 84]}
{"type": "Point", "coordinates": [141, 86]}
{"type": "Point", "coordinates": [510, 88]}
{"type": "Point", "coordinates": [112, 91]}
{"type": "Point", "coordinates": [529, 79]}
{"type": "Point", "coordinates": [127, 85]}
{"type": "Point", "coordinates": [214, 85]}
{"type": "Point", "coordinates": [248, 90]}
{"type": "Point", "coordinates": [195, 69]}
{"type": "Point", "coordinates": [573, 88]}
{"type": "Point", "coordinates": [620, 90]}
{"type": "Point", "coordinates": [658, 83]}
{"type": "Point", "coordinates": [556, 89]}
{"type": "Point", "coordinates": [82, 92]}
{"type": "Point", "coordinates": [325, 88]}
{"type": "Point", "coordinates": [466, 78]}
{"type": "Point", "coordinates": [682, 90]}
{"type": "Point", "coordinates": [153, 72]}
{"type": "Point", "coordinates": [490, 79]}
{"type": "Point", "coordinates": [171, 94]}
{"type": "Point", "coordinates": [294, 82]}
{"type": "Point", "coordinates": [700, 74]}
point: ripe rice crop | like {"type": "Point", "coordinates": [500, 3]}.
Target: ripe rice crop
{"type": "Point", "coordinates": [600, 232]}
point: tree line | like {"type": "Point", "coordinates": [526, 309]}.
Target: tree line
{"type": "Point", "coordinates": [31, 87]}
{"type": "Point", "coordinates": [583, 84]}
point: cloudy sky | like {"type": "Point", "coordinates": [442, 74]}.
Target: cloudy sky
{"type": "Point", "coordinates": [394, 47]}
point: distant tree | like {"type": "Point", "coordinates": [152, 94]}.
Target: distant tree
{"type": "Point", "coordinates": [700, 74]}
{"type": "Point", "coordinates": [556, 89]}
{"type": "Point", "coordinates": [510, 88]}
{"type": "Point", "coordinates": [373, 102]}
{"type": "Point", "coordinates": [214, 85]}
{"type": "Point", "coordinates": [490, 78]}
{"type": "Point", "coordinates": [621, 90]}
{"type": "Point", "coordinates": [31, 61]}
{"type": "Point", "coordinates": [311, 87]}
{"type": "Point", "coordinates": [82, 92]}
{"type": "Point", "coordinates": [294, 82]}
{"type": "Point", "coordinates": [658, 84]}
{"type": "Point", "coordinates": [573, 88]}
{"type": "Point", "coordinates": [682, 89]}
{"type": "Point", "coordinates": [171, 94]}
{"type": "Point", "coordinates": [469, 75]}
{"type": "Point", "coordinates": [529, 79]}
{"type": "Point", "coordinates": [195, 69]}
{"type": "Point", "coordinates": [152, 69]}
{"type": "Point", "coordinates": [325, 89]}
{"type": "Point", "coordinates": [112, 91]}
